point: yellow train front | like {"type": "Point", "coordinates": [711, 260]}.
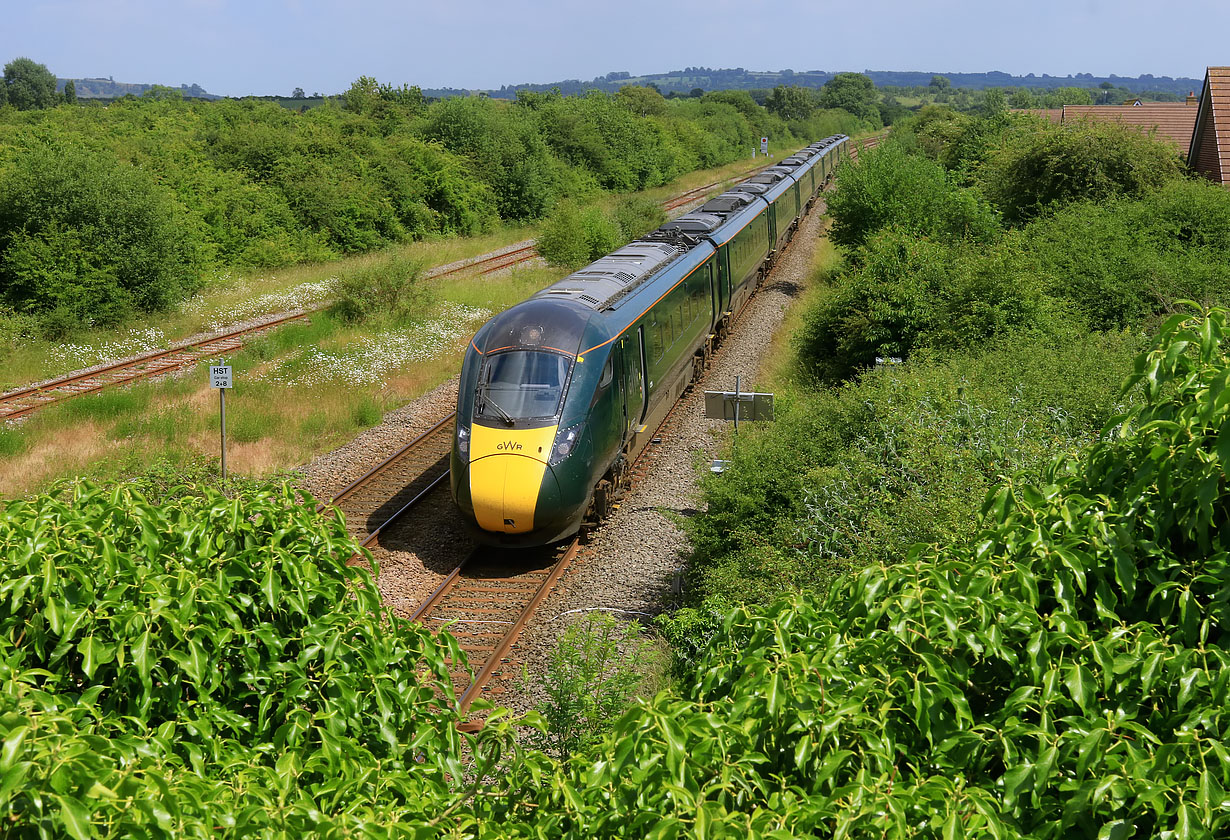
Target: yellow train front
{"type": "Point", "coordinates": [524, 461]}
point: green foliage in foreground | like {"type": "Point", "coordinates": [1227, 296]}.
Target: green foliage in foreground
{"type": "Point", "coordinates": [1065, 675]}
{"type": "Point", "coordinates": [210, 667]}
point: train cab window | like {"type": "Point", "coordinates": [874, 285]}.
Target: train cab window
{"type": "Point", "coordinates": [608, 373]}
{"type": "Point", "coordinates": [522, 385]}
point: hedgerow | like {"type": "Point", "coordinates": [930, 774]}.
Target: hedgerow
{"type": "Point", "coordinates": [250, 183]}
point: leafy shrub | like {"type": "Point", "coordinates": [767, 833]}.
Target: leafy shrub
{"type": "Point", "coordinates": [880, 308]}
{"type": "Point", "coordinates": [389, 290]}
{"type": "Point", "coordinates": [573, 237]}
{"type": "Point", "coordinates": [1122, 262]}
{"type": "Point", "coordinates": [890, 188]}
{"type": "Point", "coordinates": [86, 235]}
{"type": "Point", "coordinates": [1042, 165]}
{"type": "Point", "coordinates": [637, 216]}
{"type": "Point", "coordinates": [211, 665]}
{"type": "Point", "coordinates": [855, 476]}
{"type": "Point", "coordinates": [593, 671]}
{"type": "Point", "coordinates": [506, 149]}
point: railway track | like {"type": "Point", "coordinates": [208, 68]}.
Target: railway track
{"type": "Point", "coordinates": [490, 598]}
{"type": "Point", "coordinates": [389, 489]}
{"type": "Point", "coordinates": [27, 400]}
{"type": "Point", "coordinates": [486, 603]}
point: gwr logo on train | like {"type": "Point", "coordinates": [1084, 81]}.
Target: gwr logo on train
{"type": "Point", "coordinates": [508, 446]}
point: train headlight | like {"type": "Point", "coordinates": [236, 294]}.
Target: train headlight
{"type": "Point", "coordinates": [463, 441]}
{"type": "Point", "coordinates": [565, 443]}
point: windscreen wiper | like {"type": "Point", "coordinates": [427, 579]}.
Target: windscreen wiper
{"type": "Point", "coordinates": [487, 400]}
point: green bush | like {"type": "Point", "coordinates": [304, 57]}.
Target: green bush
{"type": "Point", "coordinates": [856, 475]}
{"type": "Point", "coordinates": [83, 234]}
{"type": "Point", "coordinates": [596, 667]}
{"type": "Point", "coordinates": [573, 237]}
{"type": "Point", "coordinates": [881, 307]}
{"type": "Point", "coordinates": [506, 149]}
{"type": "Point", "coordinates": [212, 666]}
{"type": "Point", "coordinates": [389, 290]}
{"type": "Point", "coordinates": [637, 216]}
{"type": "Point", "coordinates": [890, 188]}
{"type": "Point", "coordinates": [1041, 166]}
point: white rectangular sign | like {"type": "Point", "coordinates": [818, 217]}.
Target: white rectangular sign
{"type": "Point", "coordinates": [220, 376]}
{"type": "Point", "coordinates": [764, 145]}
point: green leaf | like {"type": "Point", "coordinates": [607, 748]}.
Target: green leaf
{"type": "Point", "coordinates": [75, 816]}
{"type": "Point", "coordinates": [12, 744]}
{"type": "Point", "coordinates": [1080, 683]}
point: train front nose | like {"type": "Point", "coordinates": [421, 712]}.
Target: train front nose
{"type": "Point", "coordinates": [511, 484]}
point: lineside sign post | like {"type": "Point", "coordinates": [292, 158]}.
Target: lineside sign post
{"type": "Point", "coordinates": [220, 378]}
{"type": "Point", "coordinates": [737, 405]}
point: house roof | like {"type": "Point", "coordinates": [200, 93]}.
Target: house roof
{"type": "Point", "coordinates": [1209, 150]}
{"type": "Point", "coordinates": [1174, 121]}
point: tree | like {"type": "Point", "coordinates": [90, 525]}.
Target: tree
{"type": "Point", "coordinates": [1022, 98]}
{"type": "Point", "coordinates": [995, 103]}
{"type": "Point", "coordinates": [791, 103]}
{"type": "Point", "coordinates": [646, 101]}
{"type": "Point", "coordinates": [940, 83]}
{"type": "Point", "coordinates": [298, 93]}
{"type": "Point", "coordinates": [30, 85]}
{"type": "Point", "coordinates": [851, 92]}
{"type": "Point", "coordinates": [70, 92]}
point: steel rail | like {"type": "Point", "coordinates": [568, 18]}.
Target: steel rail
{"type": "Point", "coordinates": [383, 465]}
{"type": "Point", "coordinates": [197, 349]}
{"type": "Point", "coordinates": [514, 633]}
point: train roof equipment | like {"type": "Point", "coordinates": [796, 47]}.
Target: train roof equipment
{"type": "Point", "coordinates": [603, 281]}
{"type": "Point", "coordinates": [727, 202]}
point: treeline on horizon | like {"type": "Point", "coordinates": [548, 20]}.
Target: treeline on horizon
{"type": "Point", "coordinates": [109, 211]}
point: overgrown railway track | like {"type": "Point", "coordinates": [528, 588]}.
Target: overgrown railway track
{"type": "Point", "coordinates": [27, 400]}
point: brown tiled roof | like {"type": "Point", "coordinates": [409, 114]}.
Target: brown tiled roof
{"type": "Point", "coordinates": [1174, 121]}
{"type": "Point", "coordinates": [1209, 151]}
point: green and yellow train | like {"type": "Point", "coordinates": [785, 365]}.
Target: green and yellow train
{"type": "Point", "coordinates": [561, 392]}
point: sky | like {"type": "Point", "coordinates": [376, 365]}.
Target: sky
{"type": "Point", "coordinates": [261, 47]}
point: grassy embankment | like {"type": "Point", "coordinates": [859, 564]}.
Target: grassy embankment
{"type": "Point", "coordinates": [298, 392]}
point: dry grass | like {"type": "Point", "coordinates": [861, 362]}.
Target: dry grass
{"type": "Point", "coordinates": [780, 362]}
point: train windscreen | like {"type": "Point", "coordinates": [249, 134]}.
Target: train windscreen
{"type": "Point", "coordinates": [522, 385]}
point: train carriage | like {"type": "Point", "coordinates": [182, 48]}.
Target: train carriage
{"type": "Point", "coordinates": [559, 393]}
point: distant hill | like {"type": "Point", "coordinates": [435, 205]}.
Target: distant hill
{"type": "Point", "coordinates": [686, 80]}
{"type": "Point", "coordinates": [110, 89]}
